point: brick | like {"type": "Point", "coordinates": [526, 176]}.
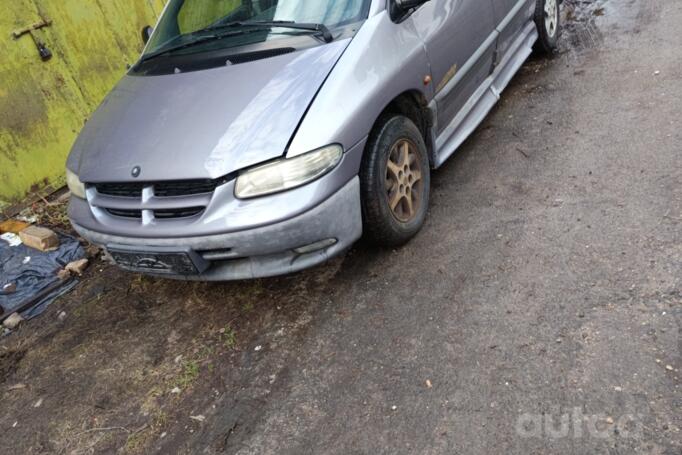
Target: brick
{"type": "Point", "coordinates": [40, 238]}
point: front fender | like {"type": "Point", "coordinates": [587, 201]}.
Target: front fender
{"type": "Point", "coordinates": [383, 61]}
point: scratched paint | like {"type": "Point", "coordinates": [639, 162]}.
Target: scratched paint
{"type": "Point", "coordinates": [43, 105]}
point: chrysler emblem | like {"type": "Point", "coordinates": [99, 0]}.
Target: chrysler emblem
{"type": "Point", "coordinates": [136, 171]}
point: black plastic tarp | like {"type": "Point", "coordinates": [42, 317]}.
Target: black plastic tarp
{"type": "Point", "coordinates": [34, 273]}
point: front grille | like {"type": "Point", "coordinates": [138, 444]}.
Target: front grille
{"type": "Point", "coordinates": [120, 189]}
{"type": "Point", "coordinates": [163, 200]}
{"type": "Point", "coordinates": [125, 213]}
{"type": "Point", "coordinates": [161, 189]}
{"type": "Point", "coordinates": [178, 213]}
{"type": "Point", "coordinates": [186, 187]}
{"type": "Point", "coordinates": [159, 214]}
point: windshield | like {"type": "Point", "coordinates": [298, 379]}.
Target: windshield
{"type": "Point", "coordinates": [184, 20]}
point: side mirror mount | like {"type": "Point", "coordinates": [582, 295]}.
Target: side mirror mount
{"type": "Point", "coordinates": [409, 4]}
{"type": "Point", "coordinates": [147, 31]}
{"type": "Point", "coordinates": [400, 9]}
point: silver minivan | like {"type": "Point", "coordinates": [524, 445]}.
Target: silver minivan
{"type": "Point", "coordinates": [260, 137]}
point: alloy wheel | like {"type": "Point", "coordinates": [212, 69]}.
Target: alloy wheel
{"type": "Point", "coordinates": [551, 17]}
{"type": "Point", "coordinates": [404, 184]}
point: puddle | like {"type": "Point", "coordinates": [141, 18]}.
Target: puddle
{"type": "Point", "coordinates": [585, 10]}
{"type": "Point", "coordinates": [589, 21]}
{"type": "Point", "coordinates": [580, 27]}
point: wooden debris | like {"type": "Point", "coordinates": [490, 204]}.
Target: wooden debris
{"type": "Point", "coordinates": [63, 275]}
{"type": "Point", "coordinates": [40, 238]}
{"type": "Point", "coordinates": [13, 226]}
{"type": "Point", "coordinates": [13, 321]}
{"type": "Point", "coordinates": [77, 267]}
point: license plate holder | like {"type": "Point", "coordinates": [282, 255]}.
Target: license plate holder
{"type": "Point", "coordinates": [159, 260]}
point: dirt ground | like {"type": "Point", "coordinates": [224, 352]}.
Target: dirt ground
{"type": "Point", "coordinates": [539, 311]}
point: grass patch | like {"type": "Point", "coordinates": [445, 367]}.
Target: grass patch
{"type": "Point", "coordinates": [229, 337]}
{"type": "Point", "coordinates": [190, 373]}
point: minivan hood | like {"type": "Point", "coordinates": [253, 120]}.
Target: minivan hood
{"type": "Point", "coordinates": [203, 124]}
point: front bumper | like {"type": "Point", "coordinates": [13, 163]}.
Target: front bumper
{"type": "Point", "coordinates": [264, 251]}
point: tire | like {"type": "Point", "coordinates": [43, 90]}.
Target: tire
{"type": "Point", "coordinates": [548, 29]}
{"type": "Point", "coordinates": [394, 138]}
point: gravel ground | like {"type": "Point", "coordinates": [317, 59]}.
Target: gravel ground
{"type": "Point", "coordinates": [539, 311]}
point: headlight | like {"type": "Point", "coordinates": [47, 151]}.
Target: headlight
{"type": "Point", "coordinates": [75, 185]}
{"type": "Point", "coordinates": [285, 174]}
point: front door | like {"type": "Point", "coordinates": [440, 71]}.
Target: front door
{"type": "Point", "coordinates": [460, 41]}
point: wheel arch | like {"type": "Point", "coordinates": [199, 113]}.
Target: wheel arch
{"type": "Point", "coordinates": [414, 105]}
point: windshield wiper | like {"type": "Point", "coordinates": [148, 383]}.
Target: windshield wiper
{"type": "Point", "coordinates": [199, 40]}
{"type": "Point", "coordinates": [317, 28]}
{"type": "Point", "coordinates": [258, 25]}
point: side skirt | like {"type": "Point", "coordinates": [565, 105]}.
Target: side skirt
{"type": "Point", "coordinates": [487, 95]}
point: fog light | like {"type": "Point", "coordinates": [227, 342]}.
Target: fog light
{"type": "Point", "coordinates": [315, 246]}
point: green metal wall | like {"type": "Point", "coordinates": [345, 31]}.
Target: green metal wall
{"type": "Point", "coordinates": [43, 105]}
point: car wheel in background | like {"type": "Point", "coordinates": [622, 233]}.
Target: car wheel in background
{"type": "Point", "coordinates": [395, 182]}
{"type": "Point", "coordinates": [548, 22]}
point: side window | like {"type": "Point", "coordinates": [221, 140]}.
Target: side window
{"type": "Point", "coordinates": [197, 14]}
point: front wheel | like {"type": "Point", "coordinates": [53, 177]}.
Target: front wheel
{"type": "Point", "coordinates": [548, 22]}
{"type": "Point", "coordinates": [395, 182]}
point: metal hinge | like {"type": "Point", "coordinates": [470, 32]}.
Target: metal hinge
{"type": "Point", "coordinates": [45, 53]}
